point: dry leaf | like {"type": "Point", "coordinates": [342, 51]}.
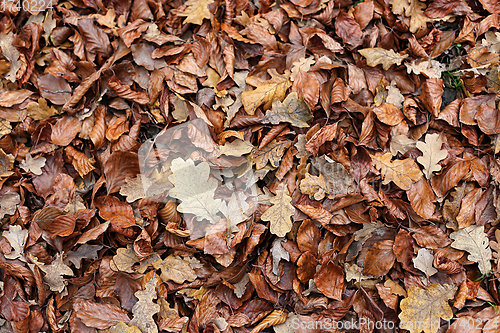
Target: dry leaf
{"type": "Point", "coordinates": [99, 315]}
{"type": "Point", "coordinates": [403, 173]}
{"type": "Point", "coordinates": [423, 308]}
{"type": "Point", "coordinates": [175, 269]}
{"type": "Point", "coordinates": [266, 92]}
{"type": "Point", "coordinates": [17, 239]}
{"type": "Point", "coordinates": [432, 154]}
{"type": "Point", "coordinates": [423, 262]}
{"type": "Point", "coordinates": [473, 240]}
{"type": "Point", "coordinates": [145, 308]}
{"type": "Point", "coordinates": [196, 12]}
{"type": "Point", "coordinates": [293, 110]}
{"type": "Point", "coordinates": [54, 273]}
{"type": "Point", "coordinates": [279, 214]}
{"type": "Point", "coordinates": [34, 165]}
{"type": "Point", "coordinates": [379, 56]}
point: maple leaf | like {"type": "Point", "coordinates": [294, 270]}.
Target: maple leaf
{"type": "Point", "coordinates": [403, 173]}
{"type": "Point", "coordinates": [17, 238]}
{"type": "Point", "coordinates": [145, 308]}
{"type": "Point", "coordinates": [194, 187]}
{"type": "Point", "coordinates": [175, 269]}
{"type": "Point", "coordinates": [432, 154]}
{"type": "Point", "coordinates": [279, 214]}
{"type": "Point", "coordinates": [379, 56]}
{"type": "Point", "coordinates": [293, 110]}
{"type": "Point", "coordinates": [266, 92]}
{"type": "Point", "coordinates": [423, 308]}
{"type": "Point", "coordinates": [474, 240]}
{"type": "Point", "coordinates": [54, 272]}
{"type": "Point", "coordinates": [196, 12]}
{"type": "Point", "coordinates": [33, 164]}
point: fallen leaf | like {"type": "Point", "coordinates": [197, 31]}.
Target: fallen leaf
{"type": "Point", "coordinates": [196, 12]}
{"type": "Point", "coordinates": [175, 269]}
{"type": "Point", "coordinates": [17, 239]}
{"type": "Point", "coordinates": [279, 214]}
{"type": "Point", "coordinates": [266, 92]}
{"type": "Point", "coordinates": [379, 56]}
{"type": "Point", "coordinates": [432, 154]}
{"type": "Point", "coordinates": [33, 165]}
{"type": "Point", "coordinates": [293, 110]}
{"type": "Point", "coordinates": [403, 173]}
{"type": "Point", "coordinates": [54, 273]}
{"type": "Point", "coordinates": [145, 308]}
{"type": "Point", "coordinates": [423, 308]}
{"type": "Point", "coordinates": [99, 315]}
{"type": "Point", "coordinates": [473, 240]}
{"type": "Point", "coordinates": [423, 262]}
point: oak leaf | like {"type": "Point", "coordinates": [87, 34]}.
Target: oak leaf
{"type": "Point", "coordinates": [196, 12]}
{"type": "Point", "coordinates": [175, 269]}
{"type": "Point", "coordinates": [474, 240]}
{"type": "Point", "coordinates": [124, 260]}
{"type": "Point", "coordinates": [145, 308]}
{"type": "Point", "coordinates": [8, 203]}
{"type": "Point", "coordinates": [403, 173]}
{"type": "Point", "coordinates": [314, 186]}
{"type": "Point", "coordinates": [423, 308]}
{"type": "Point", "coordinates": [17, 237]}
{"type": "Point", "coordinates": [133, 189]}
{"type": "Point", "coordinates": [271, 152]}
{"type": "Point", "coordinates": [379, 56]}
{"type": "Point", "coordinates": [293, 110]}
{"type": "Point", "coordinates": [85, 251]}
{"type": "Point", "coordinates": [33, 164]}
{"type": "Point", "coordinates": [54, 272]}
{"type": "Point", "coordinates": [195, 188]}
{"type": "Point", "coordinates": [279, 214]}
{"type": "Point", "coordinates": [423, 262]}
{"type": "Point", "coordinates": [40, 110]}
{"type": "Point", "coordinates": [432, 154]}
{"type": "Point", "coordinates": [266, 92]}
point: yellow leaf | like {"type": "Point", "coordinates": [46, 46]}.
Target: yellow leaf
{"type": "Point", "coordinates": [133, 189]}
{"type": "Point", "coordinates": [474, 240]}
{"type": "Point", "coordinates": [279, 214]}
{"type": "Point", "coordinates": [121, 328]}
{"type": "Point", "coordinates": [402, 172]}
{"type": "Point", "coordinates": [145, 308]}
{"type": "Point", "coordinates": [293, 110]}
{"type": "Point", "coordinates": [196, 11]}
{"type": "Point", "coordinates": [175, 269]}
{"type": "Point", "coordinates": [314, 186]}
{"type": "Point", "coordinates": [418, 20]}
{"type": "Point", "coordinates": [432, 154]}
{"type": "Point", "coordinates": [379, 56]}
{"type": "Point", "coordinates": [40, 110]}
{"type": "Point", "coordinates": [423, 308]}
{"type": "Point", "coordinates": [266, 92]}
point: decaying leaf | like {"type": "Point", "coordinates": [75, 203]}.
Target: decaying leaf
{"type": "Point", "coordinates": [33, 164]}
{"type": "Point", "coordinates": [266, 91]}
{"type": "Point", "coordinates": [175, 269]}
{"type": "Point", "coordinates": [279, 214]}
{"type": "Point", "coordinates": [293, 110]}
{"type": "Point", "coordinates": [196, 12]}
{"type": "Point", "coordinates": [145, 308]}
{"type": "Point", "coordinates": [424, 308]}
{"type": "Point", "coordinates": [17, 237]}
{"type": "Point", "coordinates": [473, 240]}
{"type": "Point", "coordinates": [401, 172]}
{"type": "Point", "coordinates": [195, 188]}
{"type": "Point", "coordinates": [432, 154]}
{"type": "Point", "coordinates": [423, 262]}
{"type": "Point", "coordinates": [54, 273]}
{"type": "Point", "coordinates": [379, 56]}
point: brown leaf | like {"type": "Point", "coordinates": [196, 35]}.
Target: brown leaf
{"type": "Point", "coordinates": [99, 315]}
{"type": "Point", "coordinates": [430, 237]}
{"type": "Point", "coordinates": [379, 259]}
{"type": "Point", "coordinates": [488, 119]}
{"type": "Point", "coordinates": [348, 29]}
{"type": "Point", "coordinates": [330, 280]}
{"type": "Point", "coordinates": [388, 114]}
{"type": "Point", "coordinates": [65, 130]}
{"type": "Point", "coordinates": [115, 211]}
{"type": "Point", "coordinates": [432, 91]}
{"type": "Point", "coordinates": [422, 197]}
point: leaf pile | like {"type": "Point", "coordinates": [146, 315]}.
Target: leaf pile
{"type": "Point", "coordinates": [244, 166]}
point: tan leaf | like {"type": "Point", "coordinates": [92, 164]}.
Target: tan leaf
{"type": "Point", "coordinates": [271, 152]}
{"type": "Point", "coordinates": [195, 188]}
{"type": "Point", "coordinates": [196, 12]}
{"type": "Point", "coordinates": [133, 189]}
{"type": "Point", "coordinates": [379, 56]}
{"type": "Point", "coordinates": [401, 144]}
{"type": "Point", "coordinates": [266, 92]}
{"type": "Point", "coordinates": [54, 272]}
{"type": "Point", "coordinates": [418, 20]}
{"type": "Point", "coordinates": [175, 269]}
{"type": "Point", "coordinates": [122, 328]}
{"type": "Point", "coordinates": [423, 262]}
{"type": "Point", "coordinates": [40, 110]}
{"type": "Point", "coordinates": [423, 308]}
{"type": "Point", "coordinates": [17, 237]}
{"type": "Point", "coordinates": [293, 110]}
{"type": "Point", "coordinates": [474, 240]}
{"type": "Point", "coordinates": [33, 164]}
{"type": "Point", "coordinates": [279, 214]}
{"type": "Point", "coordinates": [8, 203]}
{"type": "Point", "coordinates": [302, 64]}
{"type": "Point", "coordinates": [237, 147]}
{"type": "Point", "coordinates": [9, 98]}
{"type": "Point", "coordinates": [432, 154]}
{"type": "Point", "coordinates": [431, 69]}
{"type": "Point", "coordinates": [314, 186]}
{"type": "Point", "coordinates": [124, 259]}
{"type": "Point", "coordinates": [145, 309]}
{"type": "Point", "coordinates": [402, 172]}
{"type": "Point", "coordinates": [99, 315]}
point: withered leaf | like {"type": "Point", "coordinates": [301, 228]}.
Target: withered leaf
{"type": "Point", "coordinates": [293, 110]}
{"type": "Point", "coordinates": [33, 164]}
{"type": "Point", "coordinates": [379, 56]}
{"type": "Point", "coordinates": [17, 237]}
{"type": "Point", "coordinates": [196, 12]}
{"type": "Point", "coordinates": [99, 315]}
{"type": "Point", "coordinates": [474, 240]}
{"type": "Point", "coordinates": [426, 306]}
{"type": "Point", "coordinates": [279, 214]}
{"type": "Point", "coordinates": [403, 173]}
{"type": "Point", "coordinates": [266, 92]}
{"type": "Point", "coordinates": [432, 154]}
{"type": "Point", "coordinates": [145, 308]}
{"type": "Point", "coordinates": [272, 152]}
{"type": "Point", "coordinates": [54, 273]}
{"type": "Point", "coordinates": [175, 269]}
